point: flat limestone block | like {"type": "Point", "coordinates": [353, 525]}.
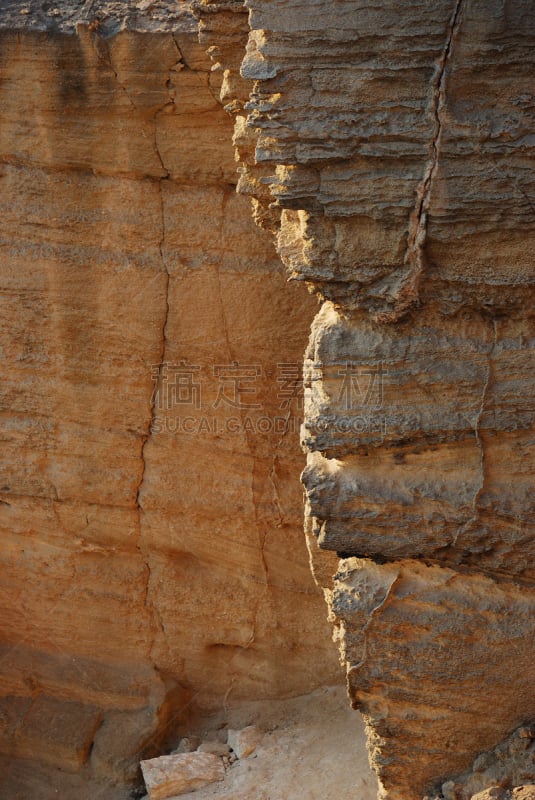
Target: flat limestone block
{"type": "Point", "coordinates": [169, 776]}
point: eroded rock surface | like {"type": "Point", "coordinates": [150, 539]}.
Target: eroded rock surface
{"type": "Point", "coordinates": [509, 771]}
{"type": "Point", "coordinates": [388, 148]}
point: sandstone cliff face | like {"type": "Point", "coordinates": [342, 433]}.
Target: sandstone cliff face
{"type": "Point", "coordinates": [150, 565]}
{"type": "Point", "coordinates": [389, 149]}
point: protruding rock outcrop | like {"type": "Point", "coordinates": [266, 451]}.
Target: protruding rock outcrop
{"type": "Point", "coordinates": [395, 140]}
{"type": "Point", "coordinates": [388, 149]}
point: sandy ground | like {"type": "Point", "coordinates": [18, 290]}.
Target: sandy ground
{"type": "Point", "coordinates": [313, 749]}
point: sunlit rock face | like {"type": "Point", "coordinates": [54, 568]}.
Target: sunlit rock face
{"type": "Point", "coordinates": [152, 554]}
{"type": "Point", "coordinates": [389, 149]}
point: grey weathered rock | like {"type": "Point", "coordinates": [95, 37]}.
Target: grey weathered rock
{"type": "Point", "coordinates": [389, 148]}
{"type": "Point", "coordinates": [109, 17]}
{"type": "Point", "coordinates": [510, 763]}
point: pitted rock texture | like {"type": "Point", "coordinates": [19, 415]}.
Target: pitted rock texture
{"type": "Point", "coordinates": [148, 567]}
{"type": "Point", "coordinates": [494, 773]}
{"type": "Point", "coordinates": [426, 648]}
{"type": "Point", "coordinates": [396, 144]}
{"type": "Point", "coordinates": [373, 125]}
{"type": "Point", "coordinates": [524, 792]}
{"type": "Point", "coordinates": [108, 17]}
{"type": "Point", "coordinates": [397, 137]}
{"type": "Point", "coordinates": [421, 439]}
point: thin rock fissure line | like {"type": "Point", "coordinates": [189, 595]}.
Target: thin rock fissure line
{"type": "Point", "coordinates": [414, 254]}
{"type": "Point", "coordinates": [482, 409]}
{"type": "Point", "coordinates": [161, 245]}
{"type": "Point", "coordinates": [371, 614]}
{"type": "Point", "coordinates": [477, 433]}
{"type": "Point", "coordinates": [155, 390]}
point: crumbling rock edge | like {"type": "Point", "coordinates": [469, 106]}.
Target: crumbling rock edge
{"type": "Point", "coordinates": [420, 450]}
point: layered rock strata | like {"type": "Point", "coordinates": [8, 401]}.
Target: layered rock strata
{"type": "Point", "coordinates": [150, 509]}
{"type": "Point", "coordinates": [396, 144]}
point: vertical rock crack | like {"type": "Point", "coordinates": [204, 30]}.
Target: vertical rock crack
{"type": "Point", "coordinates": [369, 621]}
{"type": "Point", "coordinates": [477, 433]}
{"type": "Point", "coordinates": [415, 253]}
{"type": "Point", "coordinates": [162, 351]}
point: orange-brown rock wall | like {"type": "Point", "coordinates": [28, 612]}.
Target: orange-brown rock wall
{"type": "Point", "coordinates": [150, 507]}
